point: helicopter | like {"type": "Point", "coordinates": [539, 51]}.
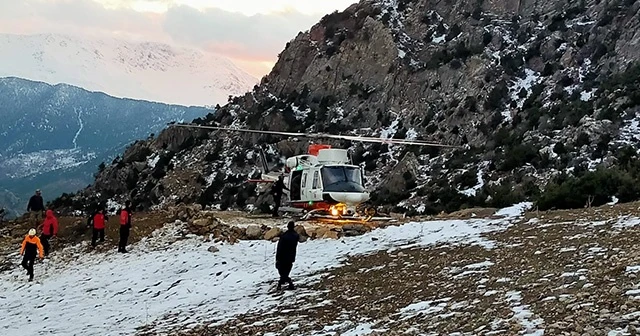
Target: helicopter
{"type": "Point", "coordinates": [323, 183]}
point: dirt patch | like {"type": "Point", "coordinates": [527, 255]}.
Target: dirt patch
{"type": "Point", "coordinates": [554, 274]}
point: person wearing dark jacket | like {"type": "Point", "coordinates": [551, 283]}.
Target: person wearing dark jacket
{"type": "Point", "coordinates": [99, 220]}
{"type": "Point", "coordinates": [35, 208]}
{"type": "Point", "coordinates": [125, 227]}
{"type": "Point", "coordinates": [49, 229]}
{"type": "Point", "coordinates": [276, 190]}
{"type": "Point", "coordinates": [286, 255]}
{"type": "Point", "coordinates": [30, 247]}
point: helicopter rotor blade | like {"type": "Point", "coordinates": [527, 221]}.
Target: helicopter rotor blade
{"type": "Point", "coordinates": [389, 141]}
{"type": "Point", "coordinates": [240, 130]}
{"type": "Point", "coordinates": [326, 136]}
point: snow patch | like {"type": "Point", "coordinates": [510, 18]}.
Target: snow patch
{"type": "Point", "coordinates": [523, 314]}
{"type": "Point", "coordinates": [480, 184]}
{"type": "Point", "coordinates": [516, 210]}
{"type": "Point", "coordinates": [530, 79]}
{"type": "Point", "coordinates": [153, 160]}
{"type": "Point", "coordinates": [34, 163]}
{"type": "Point", "coordinates": [300, 114]}
{"type": "Point", "coordinates": [176, 274]}
{"type": "Point", "coordinates": [424, 308]}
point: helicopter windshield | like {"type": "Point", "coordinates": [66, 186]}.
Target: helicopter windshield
{"type": "Point", "coordinates": [342, 179]}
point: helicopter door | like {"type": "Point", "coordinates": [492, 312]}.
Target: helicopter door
{"type": "Point", "coordinates": [315, 194]}
{"type": "Point", "coordinates": [303, 187]}
{"type": "Point", "coordinates": [294, 188]}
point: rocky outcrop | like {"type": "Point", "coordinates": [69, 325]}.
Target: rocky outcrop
{"type": "Point", "coordinates": [529, 90]}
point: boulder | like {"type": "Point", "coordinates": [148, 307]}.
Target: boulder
{"type": "Point", "coordinates": [353, 233]}
{"type": "Point", "coordinates": [351, 230]}
{"type": "Point", "coordinates": [320, 232]}
{"type": "Point", "coordinates": [254, 232]}
{"type": "Point", "coordinates": [213, 249]}
{"type": "Point", "coordinates": [330, 234]}
{"type": "Point", "coordinates": [203, 222]}
{"type": "Point", "coordinates": [355, 227]}
{"type": "Point", "coordinates": [300, 230]}
{"type": "Point", "coordinates": [273, 233]}
{"type": "Point", "coordinates": [137, 152]}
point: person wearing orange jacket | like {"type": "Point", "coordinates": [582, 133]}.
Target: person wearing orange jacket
{"type": "Point", "coordinates": [125, 227]}
{"type": "Point", "coordinates": [30, 247]}
{"type": "Point", "coordinates": [49, 229]}
{"type": "Point", "coordinates": [99, 220]}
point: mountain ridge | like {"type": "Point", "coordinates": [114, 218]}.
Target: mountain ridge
{"type": "Point", "coordinates": [540, 95]}
{"type": "Point", "coordinates": [57, 133]}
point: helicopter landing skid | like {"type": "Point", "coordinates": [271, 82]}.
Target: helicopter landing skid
{"type": "Point", "coordinates": [324, 215]}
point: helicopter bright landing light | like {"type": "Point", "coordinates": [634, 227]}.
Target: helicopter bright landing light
{"type": "Point", "coordinates": [324, 183]}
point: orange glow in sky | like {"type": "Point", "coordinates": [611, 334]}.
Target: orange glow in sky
{"type": "Point", "coordinates": [250, 33]}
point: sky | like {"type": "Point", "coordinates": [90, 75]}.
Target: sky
{"type": "Point", "coordinates": [249, 32]}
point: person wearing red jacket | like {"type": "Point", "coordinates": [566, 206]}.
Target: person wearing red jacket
{"type": "Point", "coordinates": [49, 229]}
{"type": "Point", "coordinates": [125, 227]}
{"type": "Point", "coordinates": [99, 220]}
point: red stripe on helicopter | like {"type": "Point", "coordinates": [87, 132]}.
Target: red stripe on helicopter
{"type": "Point", "coordinates": [312, 206]}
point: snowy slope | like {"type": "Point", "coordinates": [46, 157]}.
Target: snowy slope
{"type": "Point", "coordinates": [114, 294]}
{"type": "Point", "coordinates": [146, 71]}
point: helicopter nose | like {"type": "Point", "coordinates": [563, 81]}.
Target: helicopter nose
{"type": "Point", "coordinates": [350, 197]}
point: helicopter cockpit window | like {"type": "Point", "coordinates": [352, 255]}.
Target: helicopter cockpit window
{"type": "Point", "coordinates": [342, 179]}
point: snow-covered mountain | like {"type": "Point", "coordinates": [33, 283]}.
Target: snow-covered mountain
{"type": "Point", "coordinates": [55, 136]}
{"type": "Point", "coordinates": [120, 68]}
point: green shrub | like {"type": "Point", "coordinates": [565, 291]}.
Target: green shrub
{"type": "Point", "coordinates": [574, 192]}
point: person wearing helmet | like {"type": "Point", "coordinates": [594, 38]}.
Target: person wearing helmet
{"type": "Point", "coordinates": [49, 229]}
{"type": "Point", "coordinates": [31, 246]}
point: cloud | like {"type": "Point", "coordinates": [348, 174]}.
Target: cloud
{"type": "Point", "coordinates": [258, 37]}
{"type": "Point", "coordinates": [75, 16]}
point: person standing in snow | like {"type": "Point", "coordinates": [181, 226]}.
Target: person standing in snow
{"type": "Point", "coordinates": [30, 247]}
{"type": "Point", "coordinates": [286, 254]}
{"type": "Point", "coordinates": [35, 208]}
{"type": "Point", "coordinates": [99, 220]}
{"type": "Point", "coordinates": [276, 190]}
{"type": "Point", "coordinates": [49, 229]}
{"type": "Point", "coordinates": [125, 227]}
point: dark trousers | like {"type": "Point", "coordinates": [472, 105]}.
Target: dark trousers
{"type": "Point", "coordinates": [27, 263]}
{"type": "Point", "coordinates": [276, 205]}
{"type": "Point", "coordinates": [284, 268]}
{"type": "Point", "coordinates": [44, 239]}
{"type": "Point", "coordinates": [97, 233]}
{"type": "Point", "coordinates": [124, 237]}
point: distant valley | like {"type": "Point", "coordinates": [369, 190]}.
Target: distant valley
{"type": "Point", "coordinates": [55, 136]}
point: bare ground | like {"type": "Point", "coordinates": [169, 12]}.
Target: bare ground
{"type": "Point", "coordinates": [566, 272]}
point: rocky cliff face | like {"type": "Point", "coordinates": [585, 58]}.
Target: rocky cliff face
{"type": "Point", "coordinates": [539, 93]}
